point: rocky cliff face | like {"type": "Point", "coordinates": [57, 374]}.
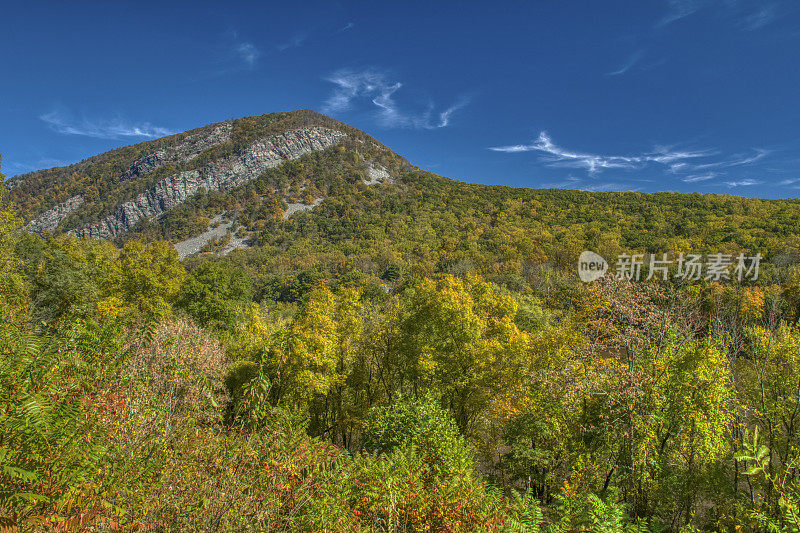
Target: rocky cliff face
{"type": "Point", "coordinates": [191, 147]}
{"type": "Point", "coordinates": [107, 195]}
{"type": "Point", "coordinates": [220, 174]}
{"type": "Point", "coordinates": [50, 219]}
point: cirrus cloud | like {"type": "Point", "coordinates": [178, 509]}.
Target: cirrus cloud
{"type": "Point", "coordinates": [377, 91]}
{"type": "Point", "coordinates": [554, 155]}
{"type": "Point", "coordinates": [61, 121]}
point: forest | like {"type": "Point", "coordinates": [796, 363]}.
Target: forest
{"type": "Point", "coordinates": [414, 356]}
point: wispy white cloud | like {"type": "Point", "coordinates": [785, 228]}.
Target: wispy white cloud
{"type": "Point", "coordinates": [733, 161]}
{"type": "Point", "coordinates": [557, 156]}
{"type": "Point", "coordinates": [679, 9]}
{"type": "Point", "coordinates": [377, 90]}
{"type": "Point", "coordinates": [12, 168]}
{"type": "Point", "coordinates": [248, 53]}
{"type": "Point", "coordinates": [747, 15]}
{"type": "Point", "coordinates": [790, 181]}
{"type": "Point", "coordinates": [64, 122]}
{"type": "Point", "coordinates": [760, 153]}
{"type": "Point", "coordinates": [582, 185]}
{"type": "Point", "coordinates": [610, 186]}
{"type": "Point", "coordinates": [699, 177]}
{"type": "Point", "coordinates": [348, 26]}
{"type": "Point", "coordinates": [756, 20]}
{"type": "Point", "coordinates": [570, 182]}
{"type": "Point", "coordinates": [708, 167]}
{"type": "Point", "coordinates": [628, 64]}
{"type": "Point", "coordinates": [666, 155]}
{"type": "Point", "coordinates": [444, 116]}
{"type": "Point", "coordinates": [296, 41]}
{"type": "Point", "coordinates": [233, 54]}
{"type": "Point", "coordinates": [677, 168]}
{"type": "Point", "coordinates": [743, 183]}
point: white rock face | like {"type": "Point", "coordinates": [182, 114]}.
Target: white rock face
{"type": "Point", "coordinates": [50, 219]}
{"type": "Point", "coordinates": [193, 245]}
{"type": "Point", "coordinates": [222, 174]}
{"type": "Point", "coordinates": [291, 209]}
{"type": "Point", "coordinates": [377, 174]}
{"type": "Point", "coordinates": [188, 149]}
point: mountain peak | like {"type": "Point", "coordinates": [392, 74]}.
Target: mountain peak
{"type": "Point", "coordinates": [107, 195]}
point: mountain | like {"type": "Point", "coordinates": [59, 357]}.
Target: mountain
{"type": "Point", "coordinates": [108, 195]}
{"type": "Point", "coordinates": [301, 189]}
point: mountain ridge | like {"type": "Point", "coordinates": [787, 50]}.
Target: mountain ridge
{"type": "Point", "coordinates": [147, 179]}
{"type": "Point", "coordinates": [299, 185]}
{"type": "Point", "coordinates": [216, 175]}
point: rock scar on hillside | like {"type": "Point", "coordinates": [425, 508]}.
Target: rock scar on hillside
{"type": "Point", "coordinates": [191, 147]}
{"type": "Point", "coordinates": [377, 174]}
{"type": "Point", "coordinates": [194, 244]}
{"type": "Point", "coordinates": [222, 174]}
{"type": "Point", "coordinates": [50, 219]}
{"type": "Point", "coordinates": [291, 209]}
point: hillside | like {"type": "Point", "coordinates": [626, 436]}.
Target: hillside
{"type": "Point", "coordinates": [253, 182]}
{"type": "Point", "coordinates": [108, 195]}
{"type": "Point", "coordinates": [288, 327]}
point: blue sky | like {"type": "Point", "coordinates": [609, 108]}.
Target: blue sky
{"type": "Point", "coordinates": [686, 95]}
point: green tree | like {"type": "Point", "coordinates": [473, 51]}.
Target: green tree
{"type": "Point", "coordinates": [146, 278]}
{"type": "Point", "coordinates": [460, 341]}
{"type": "Point", "coordinates": [311, 360]}
{"type": "Point", "coordinates": [13, 290]}
{"type": "Point", "coordinates": [214, 293]}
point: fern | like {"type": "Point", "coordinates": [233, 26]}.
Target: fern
{"type": "Point", "coordinates": [51, 445]}
{"type": "Point", "coordinates": [525, 514]}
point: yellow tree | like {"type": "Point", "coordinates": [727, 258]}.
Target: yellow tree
{"type": "Point", "coordinates": [682, 406]}
{"type": "Point", "coordinates": [310, 360]}
{"type": "Point", "coordinates": [12, 286]}
{"type": "Point", "coordinates": [459, 341]}
{"type": "Point", "coordinates": [145, 279]}
{"type": "Point", "coordinates": [554, 423]}
{"type": "Point", "coordinates": [768, 380]}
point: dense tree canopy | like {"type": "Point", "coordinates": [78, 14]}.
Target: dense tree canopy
{"type": "Point", "coordinates": [409, 356]}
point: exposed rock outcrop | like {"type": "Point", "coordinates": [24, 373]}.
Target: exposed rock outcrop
{"type": "Point", "coordinates": [377, 174]}
{"type": "Point", "coordinates": [217, 230]}
{"type": "Point", "coordinates": [50, 219]}
{"type": "Point", "coordinates": [291, 209]}
{"type": "Point", "coordinates": [222, 174]}
{"type": "Point", "coordinates": [188, 149]}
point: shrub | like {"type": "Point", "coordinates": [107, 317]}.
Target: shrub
{"type": "Point", "coordinates": [58, 398]}
{"type": "Point", "coordinates": [419, 478]}
{"type": "Point", "coordinates": [422, 425]}
{"type": "Point", "coordinates": [182, 365]}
